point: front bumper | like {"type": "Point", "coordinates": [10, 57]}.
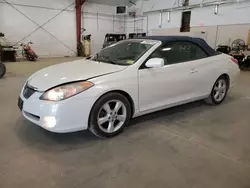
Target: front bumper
{"type": "Point", "coordinates": [69, 115]}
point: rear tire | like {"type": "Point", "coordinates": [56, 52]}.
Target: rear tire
{"type": "Point", "coordinates": [219, 91]}
{"type": "Point", "coordinates": [110, 115]}
{"type": "Point", "coordinates": [2, 70]}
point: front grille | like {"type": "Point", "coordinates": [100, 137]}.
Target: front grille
{"type": "Point", "coordinates": [27, 92]}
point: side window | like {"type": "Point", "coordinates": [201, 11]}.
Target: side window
{"type": "Point", "coordinates": [178, 52]}
{"type": "Point", "coordinates": [158, 54]}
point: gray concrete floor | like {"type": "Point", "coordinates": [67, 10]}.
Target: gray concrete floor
{"type": "Point", "coordinates": [191, 146]}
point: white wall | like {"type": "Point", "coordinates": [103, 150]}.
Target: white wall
{"type": "Point", "coordinates": [232, 21]}
{"type": "Point", "coordinates": [153, 5]}
{"type": "Point", "coordinates": [98, 20]}
{"type": "Point", "coordinates": [63, 28]}
{"type": "Point", "coordinates": [228, 15]}
{"type": "Point", "coordinates": [237, 13]}
{"type": "Point", "coordinates": [150, 5]}
{"type": "Point", "coordinates": [136, 25]}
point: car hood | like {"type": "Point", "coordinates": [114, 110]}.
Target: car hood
{"type": "Point", "coordinates": [69, 72]}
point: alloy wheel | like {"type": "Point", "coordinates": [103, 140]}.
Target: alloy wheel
{"type": "Point", "coordinates": [112, 116]}
{"type": "Point", "coordinates": [220, 90]}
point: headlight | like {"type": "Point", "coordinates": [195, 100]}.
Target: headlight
{"type": "Point", "coordinates": [65, 91]}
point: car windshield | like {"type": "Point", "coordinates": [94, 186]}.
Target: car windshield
{"type": "Point", "coordinates": [123, 53]}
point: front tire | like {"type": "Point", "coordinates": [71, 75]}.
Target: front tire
{"type": "Point", "coordinates": [110, 115]}
{"type": "Point", "coordinates": [219, 91]}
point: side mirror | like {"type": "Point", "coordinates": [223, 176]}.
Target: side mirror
{"type": "Point", "coordinates": [155, 63]}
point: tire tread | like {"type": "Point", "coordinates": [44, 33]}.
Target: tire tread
{"type": "Point", "coordinates": [209, 100]}
{"type": "Point", "coordinates": [93, 127]}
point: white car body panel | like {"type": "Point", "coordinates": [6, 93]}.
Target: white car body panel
{"type": "Point", "coordinates": [69, 72]}
{"type": "Point", "coordinates": [184, 83]}
{"type": "Point", "coordinates": [62, 111]}
{"type": "Point", "coordinates": [164, 91]}
{"type": "Point", "coordinates": [149, 89]}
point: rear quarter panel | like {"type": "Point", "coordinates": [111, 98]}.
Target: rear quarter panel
{"type": "Point", "coordinates": [222, 64]}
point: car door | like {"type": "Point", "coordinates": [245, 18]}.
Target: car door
{"type": "Point", "coordinates": [202, 72]}
{"type": "Point", "coordinates": [173, 83]}
{"type": "Point", "coordinates": [200, 68]}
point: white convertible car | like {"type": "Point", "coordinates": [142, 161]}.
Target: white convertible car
{"type": "Point", "coordinates": [126, 80]}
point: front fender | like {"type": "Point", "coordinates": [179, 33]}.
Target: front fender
{"type": "Point", "coordinates": [122, 82]}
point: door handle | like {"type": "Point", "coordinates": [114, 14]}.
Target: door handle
{"type": "Point", "coordinates": [193, 71]}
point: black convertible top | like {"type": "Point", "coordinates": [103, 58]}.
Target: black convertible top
{"type": "Point", "coordinates": [200, 42]}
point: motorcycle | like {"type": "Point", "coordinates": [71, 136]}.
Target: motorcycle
{"type": "Point", "coordinates": [28, 53]}
{"type": "Point", "coordinates": [2, 69]}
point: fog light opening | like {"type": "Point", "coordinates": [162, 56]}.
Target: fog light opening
{"type": "Point", "coordinates": [49, 121]}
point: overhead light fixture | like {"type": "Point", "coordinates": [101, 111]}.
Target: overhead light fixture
{"type": "Point", "coordinates": [168, 16]}
{"type": "Point", "coordinates": [216, 9]}
{"type": "Point", "coordinates": [160, 20]}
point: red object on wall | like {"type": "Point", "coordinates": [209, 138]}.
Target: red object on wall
{"type": "Point", "coordinates": [79, 4]}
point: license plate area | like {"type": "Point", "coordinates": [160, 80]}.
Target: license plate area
{"type": "Point", "coordinates": [20, 103]}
